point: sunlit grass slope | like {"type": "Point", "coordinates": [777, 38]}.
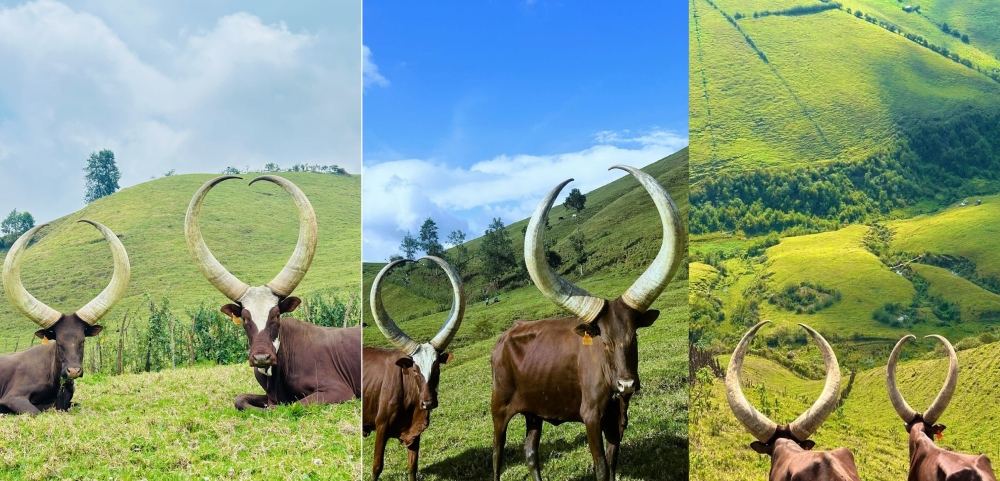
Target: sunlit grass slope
{"type": "Point", "coordinates": [970, 231]}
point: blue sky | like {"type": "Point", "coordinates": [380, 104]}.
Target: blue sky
{"type": "Point", "coordinates": [476, 109]}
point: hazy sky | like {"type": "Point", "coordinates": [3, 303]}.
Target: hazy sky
{"type": "Point", "coordinates": [475, 110]}
{"type": "Point", "coordinates": [185, 85]}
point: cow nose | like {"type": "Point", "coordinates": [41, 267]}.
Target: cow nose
{"type": "Point", "coordinates": [262, 359]}
{"type": "Point", "coordinates": [626, 386]}
{"type": "Point", "coordinates": [74, 372]}
{"type": "Point", "coordinates": [428, 405]}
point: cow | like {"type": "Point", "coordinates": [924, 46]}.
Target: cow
{"type": "Point", "coordinates": [400, 385]}
{"type": "Point", "coordinates": [293, 361]}
{"type": "Point", "coordinates": [582, 368]}
{"type": "Point", "coordinates": [789, 446]}
{"type": "Point", "coordinates": [43, 376]}
{"type": "Point", "coordinates": [927, 460]}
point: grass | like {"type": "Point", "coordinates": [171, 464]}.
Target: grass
{"type": "Point", "coordinates": [957, 231]}
{"type": "Point", "coordinates": [458, 443]}
{"type": "Point", "coordinates": [180, 424]}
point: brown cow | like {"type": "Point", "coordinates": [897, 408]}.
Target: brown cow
{"type": "Point", "coordinates": [928, 462]}
{"type": "Point", "coordinates": [792, 457]}
{"type": "Point", "coordinates": [43, 376]}
{"type": "Point", "coordinates": [583, 368]}
{"type": "Point", "coordinates": [293, 361]}
{"type": "Point", "coordinates": [400, 387]}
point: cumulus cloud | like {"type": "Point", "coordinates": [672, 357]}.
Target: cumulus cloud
{"type": "Point", "coordinates": [370, 71]}
{"type": "Point", "coordinates": [399, 195]}
{"type": "Point", "coordinates": [242, 93]}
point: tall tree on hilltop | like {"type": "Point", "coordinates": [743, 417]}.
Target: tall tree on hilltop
{"type": "Point", "coordinates": [497, 252]}
{"type": "Point", "coordinates": [459, 255]}
{"type": "Point", "coordinates": [429, 242]}
{"type": "Point", "coordinates": [409, 246]}
{"type": "Point", "coordinates": [102, 175]}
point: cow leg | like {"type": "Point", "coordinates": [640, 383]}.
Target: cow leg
{"type": "Point", "coordinates": [325, 397]}
{"type": "Point", "coordinates": [500, 421]}
{"type": "Point", "coordinates": [413, 453]}
{"type": "Point", "coordinates": [533, 435]}
{"type": "Point", "coordinates": [20, 405]}
{"type": "Point", "coordinates": [613, 435]}
{"type": "Point", "coordinates": [596, 443]}
{"type": "Point", "coordinates": [379, 455]}
{"type": "Point", "coordinates": [251, 401]}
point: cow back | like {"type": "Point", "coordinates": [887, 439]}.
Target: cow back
{"type": "Point", "coordinates": [314, 358]}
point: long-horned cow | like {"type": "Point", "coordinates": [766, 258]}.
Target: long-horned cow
{"type": "Point", "coordinates": [400, 385]}
{"type": "Point", "coordinates": [792, 457]}
{"type": "Point", "coordinates": [582, 368]}
{"type": "Point", "coordinates": [928, 462]}
{"type": "Point", "coordinates": [43, 376]}
{"type": "Point", "coordinates": [293, 361]}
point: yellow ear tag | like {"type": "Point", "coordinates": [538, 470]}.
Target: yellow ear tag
{"type": "Point", "coordinates": [237, 321]}
{"type": "Point", "coordinates": [587, 340]}
{"type": "Point", "coordinates": [45, 340]}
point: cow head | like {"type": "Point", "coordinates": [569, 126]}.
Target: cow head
{"type": "Point", "coordinates": [611, 326]}
{"type": "Point", "coordinates": [66, 331]}
{"type": "Point", "coordinates": [258, 308]}
{"type": "Point", "coordinates": [922, 423]}
{"type": "Point", "coordinates": [425, 359]}
{"type": "Point", "coordinates": [772, 438]}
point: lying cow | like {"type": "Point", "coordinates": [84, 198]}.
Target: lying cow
{"type": "Point", "coordinates": [928, 462]}
{"type": "Point", "coordinates": [400, 385]}
{"type": "Point", "coordinates": [293, 361]}
{"type": "Point", "coordinates": [792, 457]}
{"type": "Point", "coordinates": [42, 376]}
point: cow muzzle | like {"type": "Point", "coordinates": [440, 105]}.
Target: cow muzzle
{"type": "Point", "coordinates": [262, 360]}
{"type": "Point", "coordinates": [428, 405]}
{"type": "Point", "coordinates": [626, 386]}
{"type": "Point", "coordinates": [73, 372]}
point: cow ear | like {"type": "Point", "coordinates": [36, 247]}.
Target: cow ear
{"type": "Point", "coordinates": [232, 310]}
{"type": "Point", "coordinates": [647, 318]}
{"type": "Point", "coordinates": [761, 448]}
{"type": "Point", "coordinates": [808, 444]}
{"type": "Point", "coordinates": [289, 304]}
{"type": "Point", "coordinates": [405, 362]}
{"type": "Point", "coordinates": [587, 329]}
{"type": "Point", "coordinates": [445, 357]}
{"type": "Point", "coordinates": [92, 331]}
{"type": "Point", "coordinates": [45, 334]}
{"type": "Point", "coordinates": [937, 429]}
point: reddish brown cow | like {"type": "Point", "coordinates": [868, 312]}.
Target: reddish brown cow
{"type": "Point", "coordinates": [400, 387]}
{"type": "Point", "coordinates": [792, 457]}
{"type": "Point", "coordinates": [43, 376]}
{"type": "Point", "coordinates": [293, 361]}
{"type": "Point", "coordinates": [928, 462]}
{"type": "Point", "coordinates": [583, 368]}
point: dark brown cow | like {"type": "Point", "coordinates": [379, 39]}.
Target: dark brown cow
{"type": "Point", "coordinates": [582, 368]}
{"type": "Point", "coordinates": [293, 361]}
{"type": "Point", "coordinates": [400, 387]}
{"type": "Point", "coordinates": [928, 462]}
{"type": "Point", "coordinates": [43, 376]}
{"type": "Point", "coordinates": [792, 457]}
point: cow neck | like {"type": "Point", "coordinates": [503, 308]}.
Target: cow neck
{"type": "Point", "coordinates": [55, 367]}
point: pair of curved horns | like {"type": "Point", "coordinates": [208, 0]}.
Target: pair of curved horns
{"type": "Point", "coordinates": [808, 422]}
{"type": "Point", "coordinates": [643, 291]}
{"type": "Point", "coordinates": [285, 282]}
{"type": "Point", "coordinates": [44, 315]}
{"type": "Point", "coordinates": [937, 407]}
{"type": "Point", "coordinates": [394, 334]}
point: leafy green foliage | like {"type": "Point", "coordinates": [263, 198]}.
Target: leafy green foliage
{"type": "Point", "coordinates": [575, 200]}
{"type": "Point", "coordinates": [805, 298]}
{"type": "Point", "coordinates": [102, 175]}
{"type": "Point", "coordinates": [15, 224]}
{"type": "Point", "coordinates": [429, 238]}
{"type": "Point", "coordinates": [497, 253]}
{"type": "Point", "coordinates": [409, 246]}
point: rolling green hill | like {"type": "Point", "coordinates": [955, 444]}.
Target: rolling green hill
{"type": "Point", "coordinates": [251, 230]}
{"type": "Point", "coordinates": [623, 233]}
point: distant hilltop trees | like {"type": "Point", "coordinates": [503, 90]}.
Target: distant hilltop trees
{"type": "Point", "coordinates": [272, 167]}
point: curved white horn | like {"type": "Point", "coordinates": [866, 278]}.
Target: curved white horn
{"type": "Point", "coordinates": [933, 413]}
{"type": "Point", "coordinates": [808, 422]}
{"type": "Point", "coordinates": [756, 423]}
{"type": "Point", "coordinates": [651, 283]}
{"type": "Point", "coordinates": [216, 274]}
{"type": "Point", "coordinates": [895, 397]}
{"type": "Point", "coordinates": [32, 308]}
{"type": "Point", "coordinates": [563, 293]}
{"type": "Point", "coordinates": [288, 279]}
{"type": "Point", "coordinates": [447, 333]}
{"type": "Point", "coordinates": [389, 329]}
{"type": "Point", "coordinates": [100, 305]}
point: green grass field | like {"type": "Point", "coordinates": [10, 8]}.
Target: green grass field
{"type": "Point", "coordinates": [458, 443]}
{"type": "Point", "coordinates": [963, 231]}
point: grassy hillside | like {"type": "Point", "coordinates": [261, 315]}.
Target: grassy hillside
{"type": "Point", "coordinates": [458, 443]}
{"type": "Point", "coordinates": [251, 230]}
{"type": "Point", "coordinates": [180, 424]}
{"type": "Point", "coordinates": [866, 423]}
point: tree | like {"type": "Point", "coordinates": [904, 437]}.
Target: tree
{"type": "Point", "coordinates": [575, 200]}
{"type": "Point", "coordinates": [459, 256]}
{"type": "Point", "coordinates": [429, 238]}
{"type": "Point", "coordinates": [16, 223]}
{"type": "Point", "coordinates": [497, 252]}
{"type": "Point", "coordinates": [271, 167]}
{"type": "Point", "coordinates": [102, 175]}
{"type": "Point", "coordinates": [409, 246]}
{"type": "Point", "coordinates": [579, 244]}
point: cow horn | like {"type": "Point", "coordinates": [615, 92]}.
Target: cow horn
{"type": "Point", "coordinates": [389, 329]}
{"type": "Point", "coordinates": [100, 305]}
{"type": "Point", "coordinates": [808, 422]}
{"type": "Point", "coordinates": [558, 290]}
{"type": "Point", "coordinates": [447, 333]}
{"type": "Point", "coordinates": [898, 403]}
{"type": "Point", "coordinates": [933, 413]}
{"type": "Point", "coordinates": [34, 309]}
{"type": "Point", "coordinates": [288, 279]}
{"type": "Point", "coordinates": [758, 424]}
{"type": "Point", "coordinates": [651, 283]}
{"type": "Point", "coordinates": [216, 274]}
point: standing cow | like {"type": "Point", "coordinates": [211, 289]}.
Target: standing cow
{"type": "Point", "coordinates": [928, 462]}
{"type": "Point", "coordinates": [43, 376]}
{"type": "Point", "coordinates": [582, 368]}
{"type": "Point", "coordinates": [293, 361]}
{"type": "Point", "coordinates": [400, 388]}
{"type": "Point", "coordinates": [792, 457]}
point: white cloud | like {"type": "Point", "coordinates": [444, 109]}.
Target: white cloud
{"type": "Point", "coordinates": [370, 70]}
{"type": "Point", "coordinates": [399, 195]}
{"type": "Point", "coordinates": [241, 92]}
